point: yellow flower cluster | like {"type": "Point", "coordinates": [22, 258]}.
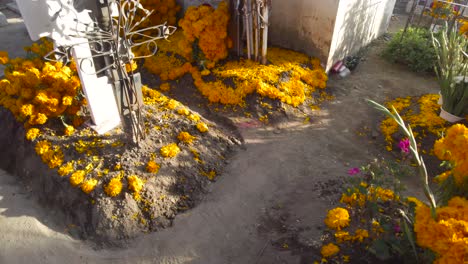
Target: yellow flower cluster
{"type": "Point", "coordinates": [454, 148]}
{"type": "Point", "coordinates": [89, 185]}
{"type": "Point", "coordinates": [163, 11]}
{"type": "Point", "coordinates": [152, 167]}
{"type": "Point", "coordinates": [185, 137]}
{"type": "Point", "coordinates": [343, 236]}
{"type": "Point", "coordinates": [77, 177]}
{"type": "Point", "coordinates": [32, 134]}
{"type": "Point", "coordinates": [114, 187]}
{"type": "Point", "coordinates": [248, 76]}
{"type": "Point", "coordinates": [34, 90]}
{"type": "Point", "coordinates": [206, 27]}
{"type": "Point", "coordinates": [337, 218]}
{"type": "Point", "coordinates": [202, 127]}
{"type": "Point", "coordinates": [427, 119]}
{"type": "Point", "coordinates": [355, 197]}
{"type": "Point", "coordinates": [329, 250]}
{"type": "Point", "coordinates": [447, 234]}
{"type": "Point", "coordinates": [442, 10]}
{"type": "Point", "coordinates": [170, 150]}
{"type": "Point", "coordinates": [135, 184]}
{"type": "Point", "coordinates": [50, 155]}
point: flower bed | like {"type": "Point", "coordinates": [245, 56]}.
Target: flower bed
{"type": "Point", "coordinates": [375, 223]}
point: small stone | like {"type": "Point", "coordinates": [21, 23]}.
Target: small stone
{"type": "Point", "coordinates": [374, 134]}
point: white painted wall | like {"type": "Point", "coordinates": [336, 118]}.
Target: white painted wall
{"type": "Point", "coordinates": [328, 30]}
{"type": "Point", "coordinates": [304, 25]}
{"type": "Point", "coordinates": [358, 22]}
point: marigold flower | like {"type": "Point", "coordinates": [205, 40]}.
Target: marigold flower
{"type": "Point", "coordinates": [360, 234]}
{"type": "Point", "coordinates": [170, 150]}
{"type": "Point", "coordinates": [185, 137]}
{"type": "Point", "coordinates": [114, 187]}
{"type": "Point", "coordinates": [152, 167]}
{"type": "Point", "coordinates": [43, 147]}
{"type": "Point", "coordinates": [32, 134]}
{"type": "Point", "coordinates": [89, 185]}
{"type": "Point", "coordinates": [69, 130]}
{"type": "Point", "coordinates": [329, 250]}
{"type": "Point", "coordinates": [165, 87]}
{"type": "Point", "coordinates": [337, 218]}
{"type": "Point", "coordinates": [202, 127]}
{"type": "Point", "coordinates": [3, 57]}
{"type": "Point", "coordinates": [77, 177]}
{"type": "Point", "coordinates": [65, 169]}
{"type": "Point", "coordinates": [135, 184]}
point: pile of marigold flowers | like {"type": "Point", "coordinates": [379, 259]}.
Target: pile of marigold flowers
{"type": "Point", "coordinates": [421, 113]}
{"type": "Point", "coordinates": [205, 28]}
{"type": "Point", "coordinates": [35, 90]}
{"type": "Point", "coordinates": [453, 147]}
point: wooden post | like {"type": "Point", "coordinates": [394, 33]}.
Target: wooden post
{"type": "Point", "coordinates": [247, 26]}
{"type": "Point", "coordinates": [266, 7]}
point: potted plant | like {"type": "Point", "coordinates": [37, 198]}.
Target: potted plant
{"type": "Point", "coordinates": [452, 73]}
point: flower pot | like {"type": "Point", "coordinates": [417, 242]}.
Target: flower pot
{"type": "Point", "coordinates": [449, 117]}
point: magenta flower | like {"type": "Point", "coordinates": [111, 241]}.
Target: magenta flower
{"type": "Point", "coordinates": [397, 228]}
{"type": "Point", "coordinates": [404, 145]}
{"type": "Point", "coordinates": [353, 171]}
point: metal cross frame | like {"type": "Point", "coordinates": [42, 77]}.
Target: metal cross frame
{"type": "Point", "coordinates": [111, 37]}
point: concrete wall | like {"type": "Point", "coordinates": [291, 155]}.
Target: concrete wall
{"type": "Point", "coordinates": [328, 30]}
{"type": "Point", "coordinates": [358, 22]}
{"type": "Point", "coordinates": [304, 25]}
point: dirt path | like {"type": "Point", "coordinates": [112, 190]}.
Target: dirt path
{"type": "Point", "coordinates": [267, 207]}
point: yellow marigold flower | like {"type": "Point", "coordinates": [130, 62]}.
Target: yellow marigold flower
{"type": "Point", "coordinates": [65, 169]}
{"type": "Point", "coordinates": [3, 57]}
{"type": "Point", "coordinates": [152, 167]}
{"type": "Point", "coordinates": [445, 235]}
{"type": "Point", "coordinates": [342, 236]}
{"type": "Point", "coordinates": [131, 66]}
{"type": "Point", "coordinates": [77, 177]}
{"type": "Point", "coordinates": [53, 158]}
{"type": "Point", "coordinates": [170, 150]}
{"type": "Point", "coordinates": [165, 87]}
{"type": "Point", "coordinates": [69, 130]}
{"type": "Point", "coordinates": [67, 100]}
{"type": "Point", "coordinates": [183, 111]}
{"type": "Point", "coordinates": [361, 234]}
{"type": "Point", "coordinates": [172, 104]}
{"type": "Point", "coordinates": [194, 117]}
{"type": "Point", "coordinates": [43, 147]}
{"type": "Point", "coordinates": [27, 109]}
{"type": "Point", "coordinates": [89, 185]}
{"type": "Point", "coordinates": [114, 187]}
{"type": "Point", "coordinates": [135, 184]}
{"type": "Point", "coordinates": [205, 72]}
{"type": "Point", "coordinates": [337, 218]}
{"type": "Point", "coordinates": [185, 137]}
{"type": "Point", "coordinates": [202, 127]}
{"type": "Point", "coordinates": [329, 250]}
{"type": "Point", "coordinates": [32, 134]}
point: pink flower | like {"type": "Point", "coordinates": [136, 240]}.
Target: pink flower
{"type": "Point", "coordinates": [353, 171]}
{"type": "Point", "coordinates": [404, 145]}
{"type": "Point", "coordinates": [397, 228]}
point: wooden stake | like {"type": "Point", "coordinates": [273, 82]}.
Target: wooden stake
{"type": "Point", "coordinates": [266, 7]}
